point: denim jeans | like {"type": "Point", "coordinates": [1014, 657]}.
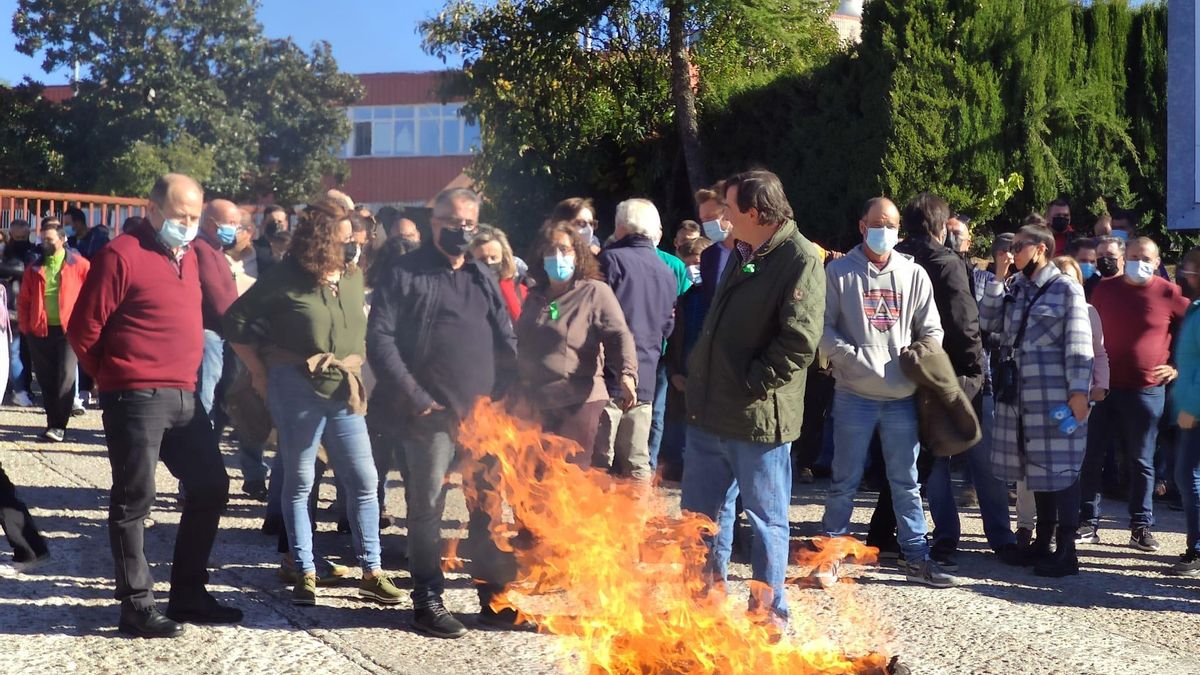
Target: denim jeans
{"type": "Point", "coordinates": [992, 493]}
{"type": "Point", "coordinates": [429, 451]}
{"type": "Point", "coordinates": [714, 470]}
{"type": "Point", "coordinates": [20, 373]}
{"type": "Point", "coordinates": [857, 419]}
{"type": "Point", "coordinates": [1130, 418]}
{"type": "Point", "coordinates": [658, 414]}
{"type": "Point", "coordinates": [304, 420]}
{"type": "Point", "coordinates": [211, 367]}
{"type": "Point", "coordinates": [1187, 479]}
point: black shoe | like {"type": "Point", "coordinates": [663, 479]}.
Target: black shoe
{"type": "Point", "coordinates": [944, 560]}
{"type": "Point", "coordinates": [1036, 553]}
{"type": "Point", "coordinates": [148, 623]}
{"type": "Point", "coordinates": [1024, 537]}
{"type": "Point", "coordinates": [272, 526]}
{"type": "Point", "coordinates": [888, 549]}
{"type": "Point", "coordinates": [1188, 565]}
{"type": "Point", "coordinates": [505, 619]}
{"type": "Point", "coordinates": [1010, 554]}
{"type": "Point", "coordinates": [202, 608]}
{"type": "Point", "coordinates": [437, 621]}
{"type": "Point", "coordinates": [1063, 563]}
{"type": "Point", "coordinates": [1143, 540]}
{"type": "Point", "coordinates": [343, 526]}
{"type": "Point", "coordinates": [255, 489]}
{"type": "Point", "coordinates": [385, 521]}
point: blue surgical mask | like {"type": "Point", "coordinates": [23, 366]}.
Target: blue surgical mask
{"type": "Point", "coordinates": [1088, 269]}
{"type": "Point", "coordinates": [1121, 234]}
{"type": "Point", "coordinates": [559, 267]}
{"type": "Point", "coordinates": [587, 233]}
{"type": "Point", "coordinates": [177, 235]}
{"type": "Point", "coordinates": [693, 272]}
{"type": "Point", "coordinates": [712, 230]}
{"type": "Point", "coordinates": [881, 240]}
{"type": "Point", "coordinates": [227, 234]}
{"type": "Point", "coordinates": [69, 230]}
{"type": "Point", "coordinates": [1139, 271]}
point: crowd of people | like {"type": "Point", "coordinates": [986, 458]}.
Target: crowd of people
{"type": "Point", "coordinates": [749, 359]}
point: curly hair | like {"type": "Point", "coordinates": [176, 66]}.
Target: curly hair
{"type": "Point", "coordinates": [586, 265]}
{"type": "Point", "coordinates": [316, 246]}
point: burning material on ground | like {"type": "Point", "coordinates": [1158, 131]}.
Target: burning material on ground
{"type": "Point", "coordinates": [627, 575]}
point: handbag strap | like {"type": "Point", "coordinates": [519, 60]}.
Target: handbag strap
{"type": "Point", "coordinates": [1028, 308]}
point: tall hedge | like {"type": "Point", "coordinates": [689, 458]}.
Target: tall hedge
{"type": "Point", "coordinates": [955, 95]}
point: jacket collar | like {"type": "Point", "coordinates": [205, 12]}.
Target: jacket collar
{"type": "Point", "coordinates": [632, 241]}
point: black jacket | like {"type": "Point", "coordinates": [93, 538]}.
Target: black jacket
{"type": "Point", "coordinates": [12, 268]}
{"type": "Point", "coordinates": [402, 310]}
{"type": "Point", "coordinates": [956, 305]}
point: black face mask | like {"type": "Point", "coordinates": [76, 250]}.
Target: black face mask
{"type": "Point", "coordinates": [453, 242]}
{"type": "Point", "coordinates": [1060, 223]}
{"type": "Point", "coordinates": [1030, 268]}
{"type": "Point", "coordinates": [351, 251]}
{"type": "Point", "coordinates": [1107, 267]}
{"type": "Point", "coordinates": [495, 268]}
{"type": "Point", "coordinates": [48, 250]}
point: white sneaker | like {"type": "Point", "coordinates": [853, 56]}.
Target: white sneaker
{"type": "Point", "coordinates": [21, 399]}
{"type": "Point", "coordinates": [77, 408]}
{"type": "Point", "coordinates": [55, 435]}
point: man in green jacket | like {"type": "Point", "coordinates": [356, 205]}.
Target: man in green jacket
{"type": "Point", "coordinates": [745, 391]}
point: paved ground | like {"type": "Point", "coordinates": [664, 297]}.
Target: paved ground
{"type": "Point", "coordinates": [1121, 615]}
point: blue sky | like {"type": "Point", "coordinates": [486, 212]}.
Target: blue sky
{"type": "Point", "coordinates": [368, 36]}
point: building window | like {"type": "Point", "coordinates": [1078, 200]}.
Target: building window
{"type": "Point", "coordinates": [411, 131]}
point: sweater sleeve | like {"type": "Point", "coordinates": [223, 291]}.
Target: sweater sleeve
{"type": "Point", "coordinates": [1100, 355]}
{"type": "Point", "coordinates": [842, 354]}
{"type": "Point", "coordinates": [620, 355]}
{"type": "Point", "coordinates": [103, 292]}
{"type": "Point", "coordinates": [217, 288]}
{"type": "Point", "coordinates": [24, 304]}
{"type": "Point", "coordinates": [792, 350]}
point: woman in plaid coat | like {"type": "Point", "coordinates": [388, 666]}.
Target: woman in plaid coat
{"type": "Point", "coordinates": [1053, 368]}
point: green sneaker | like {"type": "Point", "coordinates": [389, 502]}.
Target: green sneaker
{"type": "Point", "coordinates": [380, 589]}
{"type": "Point", "coordinates": [305, 592]}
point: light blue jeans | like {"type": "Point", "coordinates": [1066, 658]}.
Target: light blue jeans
{"type": "Point", "coordinates": [211, 367]}
{"type": "Point", "coordinates": [714, 470]}
{"type": "Point", "coordinates": [855, 421]}
{"type": "Point", "coordinates": [304, 420]}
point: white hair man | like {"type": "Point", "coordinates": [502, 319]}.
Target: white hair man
{"type": "Point", "coordinates": [646, 289]}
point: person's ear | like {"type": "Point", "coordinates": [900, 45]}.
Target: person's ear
{"type": "Point", "coordinates": [862, 228]}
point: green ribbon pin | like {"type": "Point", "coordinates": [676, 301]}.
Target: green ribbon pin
{"type": "Point", "coordinates": [554, 311]}
{"type": "Point", "coordinates": [748, 268]}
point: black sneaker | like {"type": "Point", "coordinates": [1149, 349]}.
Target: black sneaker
{"type": "Point", "coordinates": [1010, 554]}
{"type": "Point", "coordinates": [437, 621]}
{"type": "Point", "coordinates": [148, 623]}
{"type": "Point", "coordinates": [255, 489]}
{"type": "Point", "coordinates": [505, 619]}
{"type": "Point", "coordinates": [946, 560]}
{"type": "Point", "coordinates": [1143, 540]}
{"type": "Point", "coordinates": [1024, 537]}
{"type": "Point", "coordinates": [1061, 564]}
{"type": "Point", "coordinates": [201, 607]}
{"type": "Point", "coordinates": [1188, 565]}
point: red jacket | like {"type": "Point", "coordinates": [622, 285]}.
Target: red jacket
{"type": "Point", "coordinates": [138, 325]}
{"type": "Point", "coordinates": [31, 301]}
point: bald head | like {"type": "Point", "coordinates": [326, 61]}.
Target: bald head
{"type": "Point", "coordinates": [176, 197]}
{"type": "Point", "coordinates": [407, 230]}
{"type": "Point", "coordinates": [881, 210]}
{"type": "Point", "coordinates": [219, 212]}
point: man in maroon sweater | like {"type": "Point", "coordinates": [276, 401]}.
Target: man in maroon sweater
{"type": "Point", "coordinates": [137, 329]}
{"type": "Point", "coordinates": [218, 229]}
{"type": "Point", "coordinates": [1139, 311]}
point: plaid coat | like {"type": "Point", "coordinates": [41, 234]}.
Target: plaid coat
{"type": "Point", "coordinates": [1054, 360]}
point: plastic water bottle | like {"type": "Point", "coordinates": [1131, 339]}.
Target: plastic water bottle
{"type": "Point", "coordinates": [1065, 418]}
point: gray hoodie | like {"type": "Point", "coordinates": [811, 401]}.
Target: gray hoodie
{"type": "Point", "coordinates": [871, 315]}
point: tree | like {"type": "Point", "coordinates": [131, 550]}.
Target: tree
{"type": "Point", "coordinates": [581, 96]}
{"type": "Point", "coordinates": [158, 69]}
{"type": "Point", "coordinates": [30, 139]}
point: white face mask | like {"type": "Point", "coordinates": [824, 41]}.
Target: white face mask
{"type": "Point", "coordinates": [693, 272]}
{"type": "Point", "coordinates": [1139, 272]}
{"type": "Point", "coordinates": [712, 230]}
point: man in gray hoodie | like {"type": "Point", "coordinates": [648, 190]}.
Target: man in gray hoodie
{"type": "Point", "coordinates": [877, 303]}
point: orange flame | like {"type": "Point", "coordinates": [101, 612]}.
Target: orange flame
{"type": "Point", "coordinates": [620, 579]}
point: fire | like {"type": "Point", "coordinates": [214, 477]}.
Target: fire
{"type": "Point", "coordinates": [612, 569]}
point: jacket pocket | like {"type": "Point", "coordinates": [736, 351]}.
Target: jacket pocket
{"type": "Point", "coordinates": [1045, 326]}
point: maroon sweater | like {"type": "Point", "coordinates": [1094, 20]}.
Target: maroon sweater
{"type": "Point", "coordinates": [1138, 323]}
{"type": "Point", "coordinates": [137, 323]}
{"type": "Point", "coordinates": [217, 289]}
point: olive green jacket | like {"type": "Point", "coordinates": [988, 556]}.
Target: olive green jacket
{"type": "Point", "coordinates": [747, 372]}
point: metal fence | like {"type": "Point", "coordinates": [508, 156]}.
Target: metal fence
{"type": "Point", "coordinates": [32, 206]}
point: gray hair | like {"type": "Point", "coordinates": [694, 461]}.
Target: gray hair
{"type": "Point", "coordinates": [640, 216]}
{"type": "Point", "coordinates": [1112, 240]}
{"type": "Point", "coordinates": [446, 198]}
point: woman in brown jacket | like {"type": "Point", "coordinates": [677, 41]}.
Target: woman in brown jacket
{"type": "Point", "coordinates": [567, 319]}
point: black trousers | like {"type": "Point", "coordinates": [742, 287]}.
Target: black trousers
{"type": "Point", "coordinates": [26, 541]}
{"type": "Point", "coordinates": [54, 364]}
{"type": "Point", "coordinates": [142, 426]}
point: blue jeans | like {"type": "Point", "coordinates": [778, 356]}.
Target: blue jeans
{"type": "Point", "coordinates": [1187, 479]}
{"type": "Point", "coordinates": [992, 493]}
{"type": "Point", "coordinates": [856, 419]}
{"type": "Point", "coordinates": [429, 452]}
{"type": "Point", "coordinates": [304, 420]}
{"type": "Point", "coordinates": [1129, 418]}
{"type": "Point", "coordinates": [658, 414]}
{"type": "Point", "coordinates": [211, 367]}
{"type": "Point", "coordinates": [714, 470]}
{"type": "Point", "coordinates": [18, 375]}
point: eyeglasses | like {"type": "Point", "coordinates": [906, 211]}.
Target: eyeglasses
{"type": "Point", "coordinates": [1017, 246]}
{"type": "Point", "coordinates": [458, 223]}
